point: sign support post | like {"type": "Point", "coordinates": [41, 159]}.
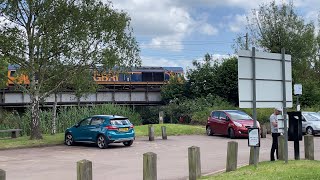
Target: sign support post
{"type": "Point", "coordinates": [284, 102]}
{"type": "Point", "coordinates": [254, 101]}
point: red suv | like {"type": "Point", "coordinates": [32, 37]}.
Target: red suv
{"type": "Point", "coordinates": [233, 123]}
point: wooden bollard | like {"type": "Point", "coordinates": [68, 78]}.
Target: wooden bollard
{"type": "Point", "coordinates": [232, 156]}
{"type": "Point", "coordinates": [251, 160]}
{"type": "Point", "coordinates": [309, 147]}
{"type": "Point", "coordinates": [194, 162]}
{"type": "Point", "coordinates": [281, 147]}
{"type": "Point", "coordinates": [151, 132]}
{"type": "Point", "coordinates": [263, 131]}
{"type": "Point", "coordinates": [149, 166]}
{"type": "Point", "coordinates": [164, 132]}
{"type": "Point", "coordinates": [84, 170]}
{"type": "Point", "coordinates": [2, 175]}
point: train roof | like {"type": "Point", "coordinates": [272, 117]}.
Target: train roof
{"type": "Point", "coordinates": [152, 69]}
{"type": "Point", "coordinates": [13, 67]}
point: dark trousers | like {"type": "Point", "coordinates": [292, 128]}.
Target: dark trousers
{"type": "Point", "coordinates": [274, 146]}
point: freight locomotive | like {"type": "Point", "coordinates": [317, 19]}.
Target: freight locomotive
{"type": "Point", "coordinates": [135, 77]}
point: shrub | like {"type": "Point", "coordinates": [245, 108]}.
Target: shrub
{"type": "Point", "coordinates": [68, 116]}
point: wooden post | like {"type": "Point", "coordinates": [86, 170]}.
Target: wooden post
{"type": "Point", "coordinates": [2, 175]}
{"type": "Point", "coordinates": [194, 162]}
{"type": "Point", "coordinates": [263, 131]}
{"type": "Point", "coordinates": [161, 117]}
{"type": "Point", "coordinates": [84, 170]}
{"type": "Point", "coordinates": [251, 159]}
{"type": "Point", "coordinates": [309, 147]}
{"type": "Point", "coordinates": [149, 166]}
{"type": "Point", "coordinates": [164, 132]}
{"type": "Point", "coordinates": [151, 132]}
{"type": "Point", "coordinates": [281, 147]}
{"type": "Point", "coordinates": [232, 156]}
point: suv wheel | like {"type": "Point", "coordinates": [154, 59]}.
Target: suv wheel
{"type": "Point", "coordinates": [102, 142]}
{"type": "Point", "coordinates": [209, 131]}
{"type": "Point", "coordinates": [128, 143]}
{"type": "Point", "coordinates": [231, 133]}
{"type": "Point", "coordinates": [69, 139]}
{"type": "Point", "coordinates": [309, 131]}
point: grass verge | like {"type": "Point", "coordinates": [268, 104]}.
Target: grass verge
{"type": "Point", "coordinates": [24, 141]}
{"type": "Point", "coordinates": [172, 130]}
{"type": "Point", "coordinates": [303, 169]}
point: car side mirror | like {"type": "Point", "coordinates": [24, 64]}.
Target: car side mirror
{"type": "Point", "coordinates": [227, 119]}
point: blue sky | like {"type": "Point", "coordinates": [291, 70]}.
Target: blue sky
{"type": "Point", "coordinates": [176, 32]}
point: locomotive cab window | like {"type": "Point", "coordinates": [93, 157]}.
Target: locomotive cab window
{"type": "Point", "coordinates": [12, 73]}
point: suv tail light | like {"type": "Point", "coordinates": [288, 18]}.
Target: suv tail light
{"type": "Point", "coordinates": [131, 126]}
{"type": "Point", "coordinates": [111, 127]}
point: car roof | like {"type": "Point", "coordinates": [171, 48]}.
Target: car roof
{"type": "Point", "coordinates": [228, 110]}
{"type": "Point", "coordinates": [109, 116]}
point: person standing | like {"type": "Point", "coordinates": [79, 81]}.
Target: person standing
{"type": "Point", "coordinates": [274, 132]}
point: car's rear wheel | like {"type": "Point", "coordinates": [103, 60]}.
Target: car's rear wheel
{"type": "Point", "coordinates": [69, 139]}
{"type": "Point", "coordinates": [231, 133]}
{"type": "Point", "coordinates": [309, 131]}
{"type": "Point", "coordinates": [128, 143]}
{"type": "Point", "coordinates": [102, 142]}
{"type": "Point", "coordinates": [209, 131]}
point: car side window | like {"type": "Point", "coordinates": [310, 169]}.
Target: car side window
{"type": "Point", "coordinates": [216, 115]}
{"type": "Point", "coordinates": [223, 116]}
{"type": "Point", "coordinates": [85, 122]}
{"type": "Point", "coordinates": [97, 121]}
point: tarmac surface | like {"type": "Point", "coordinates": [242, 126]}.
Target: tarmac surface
{"type": "Point", "coordinates": [122, 163]}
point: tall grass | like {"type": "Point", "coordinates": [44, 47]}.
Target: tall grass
{"type": "Point", "coordinates": [66, 117]}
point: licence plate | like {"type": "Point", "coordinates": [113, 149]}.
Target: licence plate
{"type": "Point", "coordinates": [123, 129]}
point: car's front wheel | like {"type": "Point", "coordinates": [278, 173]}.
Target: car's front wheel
{"type": "Point", "coordinates": [69, 139]}
{"type": "Point", "coordinates": [102, 142]}
{"type": "Point", "coordinates": [231, 133]}
{"type": "Point", "coordinates": [309, 131]}
{"type": "Point", "coordinates": [128, 143]}
{"type": "Point", "coordinates": [209, 131]}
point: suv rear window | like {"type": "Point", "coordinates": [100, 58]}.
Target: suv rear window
{"type": "Point", "coordinates": [120, 122]}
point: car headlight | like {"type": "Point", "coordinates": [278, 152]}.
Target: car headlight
{"type": "Point", "coordinates": [237, 124]}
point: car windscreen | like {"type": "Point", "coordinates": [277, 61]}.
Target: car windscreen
{"type": "Point", "coordinates": [312, 116]}
{"type": "Point", "coordinates": [239, 115]}
{"type": "Point", "coordinates": [120, 122]}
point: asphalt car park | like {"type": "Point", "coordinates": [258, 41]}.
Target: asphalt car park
{"type": "Point", "coordinates": [121, 162]}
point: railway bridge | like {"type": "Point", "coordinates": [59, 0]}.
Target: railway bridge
{"type": "Point", "coordinates": [9, 98]}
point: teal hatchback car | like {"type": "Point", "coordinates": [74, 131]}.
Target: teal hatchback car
{"type": "Point", "coordinates": [101, 130]}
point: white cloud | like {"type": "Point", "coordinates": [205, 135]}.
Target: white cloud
{"type": "Point", "coordinates": [154, 61]}
{"type": "Point", "coordinates": [186, 64]}
{"type": "Point", "coordinates": [237, 23]}
{"type": "Point", "coordinates": [243, 4]}
{"type": "Point", "coordinates": [208, 29]}
{"type": "Point", "coordinates": [165, 23]}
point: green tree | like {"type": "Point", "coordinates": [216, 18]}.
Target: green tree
{"type": "Point", "coordinates": [273, 27]}
{"type": "Point", "coordinates": [3, 72]}
{"type": "Point", "coordinates": [175, 89]}
{"type": "Point", "coordinates": [227, 80]}
{"type": "Point", "coordinates": [54, 40]}
{"type": "Point", "coordinates": [217, 79]}
{"type": "Point", "coordinates": [202, 78]}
